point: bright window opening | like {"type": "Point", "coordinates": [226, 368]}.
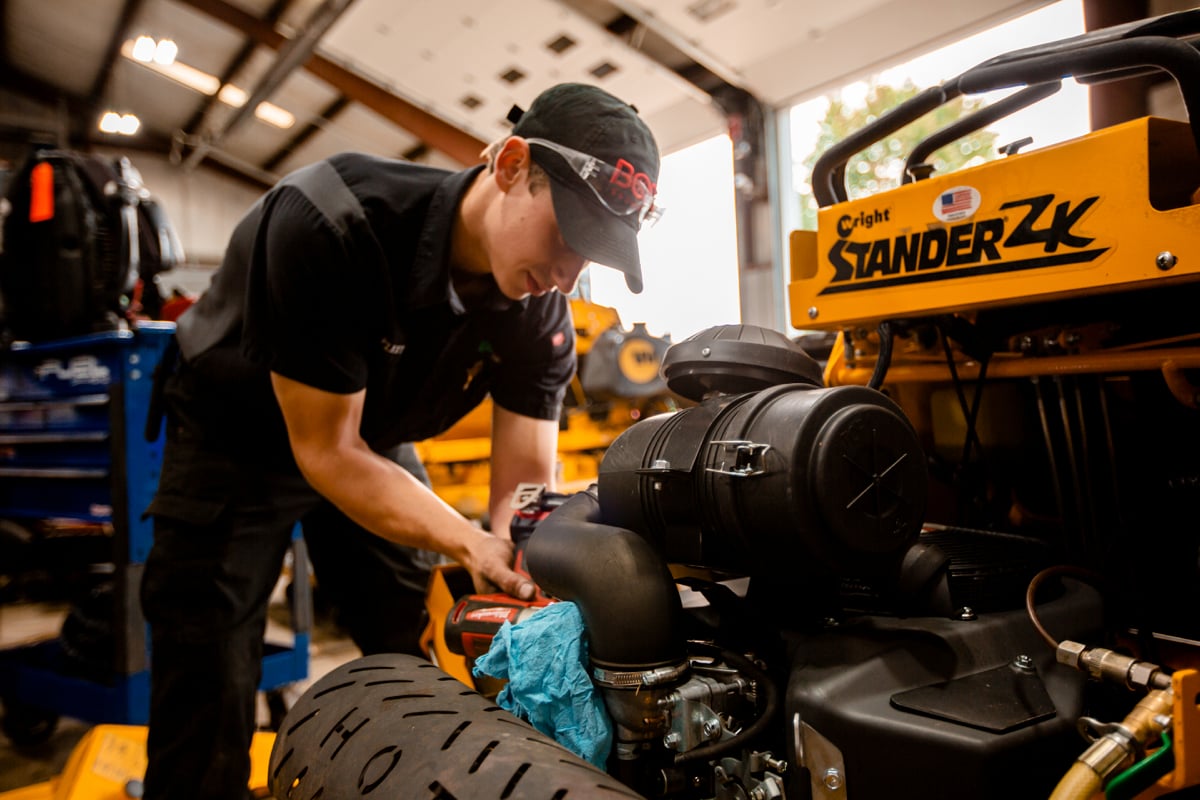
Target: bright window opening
{"type": "Point", "coordinates": [689, 258]}
{"type": "Point", "coordinates": [813, 125]}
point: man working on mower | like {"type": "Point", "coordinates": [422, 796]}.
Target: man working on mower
{"type": "Point", "coordinates": [364, 303]}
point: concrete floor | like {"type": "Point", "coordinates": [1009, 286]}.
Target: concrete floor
{"type": "Point", "coordinates": [27, 622]}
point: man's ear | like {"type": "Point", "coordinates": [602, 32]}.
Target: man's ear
{"type": "Point", "coordinates": [512, 162]}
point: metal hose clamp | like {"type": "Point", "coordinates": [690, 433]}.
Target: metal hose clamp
{"type": "Point", "coordinates": [634, 680]}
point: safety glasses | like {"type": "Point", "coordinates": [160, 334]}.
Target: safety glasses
{"type": "Point", "coordinates": [621, 188]}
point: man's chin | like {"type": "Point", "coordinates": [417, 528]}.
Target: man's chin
{"type": "Point", "coordinates": [516, 296]}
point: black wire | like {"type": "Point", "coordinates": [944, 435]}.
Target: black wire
{"type": "Point", "coordinates": [969, 417]}
{"type": "Point", "coordinates": [972, 431]}
{"type": "Point", "coordinates": [887, 335]}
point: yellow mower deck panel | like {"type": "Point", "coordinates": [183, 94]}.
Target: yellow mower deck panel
{"type": "Point", "coordinates": [1111, 211]}
{"type": "Point", "coordinates": [109, 763]}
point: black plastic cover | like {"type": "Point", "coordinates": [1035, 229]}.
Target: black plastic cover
{"type": "Point", "coordinates": [732, 359]}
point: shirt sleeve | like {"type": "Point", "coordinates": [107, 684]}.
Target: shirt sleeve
{"type": "Point", "coordinates": [538, 360]}
{"type": "Point", "coordinates": [301, 318]}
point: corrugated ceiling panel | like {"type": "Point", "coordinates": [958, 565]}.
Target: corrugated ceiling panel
{"type": "Point", "coordinates": [470, 46]}
{"type": "Point", "coordinates": [740, 32]}
{"type": "Point", "coordinates": [163, 105]}
{"type": "Point", "coordinates": [61, 42]}
{"type": "Point", "coordinates": [356, 128]}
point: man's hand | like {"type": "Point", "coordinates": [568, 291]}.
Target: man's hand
{"type": "Point", "coordinates": [489, 560]}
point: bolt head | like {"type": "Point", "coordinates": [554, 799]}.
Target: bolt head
{"type": "Point", "coordinates": [813, 312]}
{"type": "Point", "coordinates": [1165, 260]}
{"type": "Point", "coordinates": [832, 779]}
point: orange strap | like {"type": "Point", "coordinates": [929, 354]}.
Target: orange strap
{"type": "Point", "coordinates": [41, 193]}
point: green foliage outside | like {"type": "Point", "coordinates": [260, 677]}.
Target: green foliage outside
{"type": "Point", "coordinates": [880, 166]}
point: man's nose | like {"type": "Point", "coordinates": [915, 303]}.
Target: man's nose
{"type": "Point", "coordinates": [566, 273]}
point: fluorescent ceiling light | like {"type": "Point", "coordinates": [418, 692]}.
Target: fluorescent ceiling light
{"type": "Point", "coordinates": [110, 122]}
{"type": "Point", "coordinates": [177, 71]}
{"type": "Point", "coordinates": [165, 52]}
{"type": "Point", "coordinates": [268, 112]}
{"type": "Point", "coordinates": [146, 50]}
{"type": "Point", "coordinates": [204, 83]}
{"type": "Point", "coordinates": [143, 49]}
{"type": "Point", "coordinates": [124, 124]}
{"type": "Point", "coordinates": [231, 95]}
{"type": "Point", "coordinates": [274, 115]}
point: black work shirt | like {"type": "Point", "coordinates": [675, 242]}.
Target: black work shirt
{"type": "Point", "coordinates": [365, 300]}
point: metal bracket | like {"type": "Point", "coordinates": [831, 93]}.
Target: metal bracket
{"type": "Point", "coordinates": [747, 461]}
{"type": "Point", "coordinates": [826, 769]}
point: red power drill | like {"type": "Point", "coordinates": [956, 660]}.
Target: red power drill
{"type": "Point", "coordinates": [475, 618]}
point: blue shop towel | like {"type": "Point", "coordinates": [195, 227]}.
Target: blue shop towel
{"type": "Point", "coordinates": [544, 658]}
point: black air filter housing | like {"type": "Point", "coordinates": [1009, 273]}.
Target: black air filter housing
{"type": "Point", "coordinates": [789, 481]}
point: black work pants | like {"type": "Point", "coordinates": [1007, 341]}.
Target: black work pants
{"type": "Point", "coordinates": [222, 526]}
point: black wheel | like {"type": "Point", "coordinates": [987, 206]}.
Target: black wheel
{"type": "Point", "coordinates": [401, 725]}
{"type": "Point", "coordinates": [26, 725]}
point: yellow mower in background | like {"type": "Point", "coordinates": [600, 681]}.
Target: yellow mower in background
{"type": "Point", "coordinates": [109, 763]}
{"type": "Point", "coordinates": [616, 384]}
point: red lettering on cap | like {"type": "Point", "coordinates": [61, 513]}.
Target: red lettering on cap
{"type": "Point", "coordinates": [627, 177]}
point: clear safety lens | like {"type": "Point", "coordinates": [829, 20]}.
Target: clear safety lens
{"type": "Point", "coordinates": [620, 188]}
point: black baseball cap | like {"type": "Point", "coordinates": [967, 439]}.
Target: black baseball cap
{"type": "Point", "coordinates": [599, 217]}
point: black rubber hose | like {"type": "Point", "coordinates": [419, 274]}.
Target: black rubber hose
{"type": "Point", "coordinates": [624, 591]}
{"type": "Point", "coordinates": [887, 339]}
{"type": "Point", "coordinates": [770, 707]}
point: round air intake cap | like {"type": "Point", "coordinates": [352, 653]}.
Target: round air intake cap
{"type": "Point", "coordinates": [734, 359]}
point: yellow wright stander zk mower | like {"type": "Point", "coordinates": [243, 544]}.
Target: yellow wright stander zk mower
{"type": "Point", "coordinates": [1036, 319]}
{"type": "Point", "coordinates": [921, 569]}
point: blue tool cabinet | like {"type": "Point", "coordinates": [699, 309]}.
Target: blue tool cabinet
{"type": "Point", "coordinates": [72, 447]}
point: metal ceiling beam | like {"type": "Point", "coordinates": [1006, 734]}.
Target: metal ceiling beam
{"type": "Point", "coordinates": [205, 110]}
{"type": "Point", "coordinates": [56, 128]}
{"type": "Point", "coordinates": [297, 51]}
{"type": "Point", "coordinates": [327, 115]}
{"type": "Point", "coordinates": [218, 161]}
{"type": "Point", "coordinates": [113, 51]}
{"type": "Point", "coordinates": [689, 47]}
{"type": "Point", "coordinates": [434, 131]}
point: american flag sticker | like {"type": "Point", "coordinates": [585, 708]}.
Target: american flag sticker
{"type": "Point", "coordinates": [958, 202]}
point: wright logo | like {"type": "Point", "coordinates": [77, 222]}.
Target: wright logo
{"type": "Point", "coordinates": [983, 247]}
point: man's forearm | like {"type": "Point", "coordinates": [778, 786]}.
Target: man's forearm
{"type": "Point", "coordinates": [387, 500]}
